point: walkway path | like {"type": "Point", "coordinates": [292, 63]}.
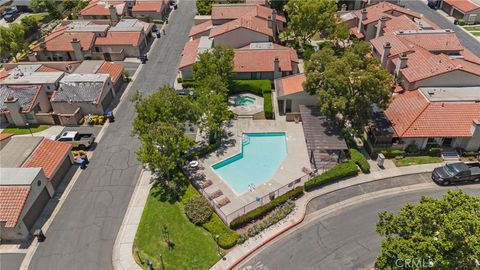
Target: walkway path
{"type": "Point", "coordinates": [241, 252]}
{"type": "Point", "coordinates": [83, 233]}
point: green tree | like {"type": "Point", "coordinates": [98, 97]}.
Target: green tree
{"type": "Point", "coordinates": [218, 61]}
{"type": "Point", "coordinates": [307, 17]}
{"type": "Point", "coordinates": [38, 5]}
{"type": "Point", "coordinates": [278, 4]}
{"type": "Point", "coordinates": [348, 84]}
{"type": "Point", "coordinates": [30, 24]}
{"type": "Point", "coordinates": [212, 105]}
{"type": "Point", "coordinates": [70, 4]}
{"type": "Point", "coordinates": [437, 234]}
{"type": "Point", "coordinates": [12, 40]}
{"type": "Point", "coordinates": [204, 7]}
{"type": "Point", "coordinates": [46, 5]}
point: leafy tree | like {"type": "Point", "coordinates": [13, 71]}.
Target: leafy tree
{"type": "Point", "coordinates": [348, 84]}
{"type": "Point", "coordinates": [307, 17]}
{"type": "Point", "coordinates": [46, 5]}
{"type": "Point", "coordinates": [216, 62]}
{"type": "Point", "coordinates": [278, 4]}
{"type": "Point", "coordinates": [437, 234]}
{"type": "Point", "coordinates": [30, 24]}
{"type": "Point", "coordinates": [204, 7]}
{"type": "Point", "coordinates": [38, 5]}
{"type": "Point", "coordinates": [12, 40]}
{"type": "Point", "coordinates": [70, 4]}
{"type": "Point", "coordinates": [211, 101]}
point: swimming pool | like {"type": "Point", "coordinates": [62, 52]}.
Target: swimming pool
{"type": "Point", "coordinates": [261, 156]}
{"type": "Point", "coordinates": [244, 101]}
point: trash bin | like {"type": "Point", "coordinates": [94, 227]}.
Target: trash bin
{"type": "Point", "coordinates": [39, 235]}
{"type": "Point", "coordinates": [83, 164]}
{"type": "Point", "coordinates": [109, 116]}
{"type": "Point", "coordinates": [380, 160]}
{"type": "Point", "coordinates": [158, 34]}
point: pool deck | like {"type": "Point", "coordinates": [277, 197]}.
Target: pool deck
{"type": "Point", "coordinates": [289, 170]}
{"type": "Point", "coordinates": [252, 109]}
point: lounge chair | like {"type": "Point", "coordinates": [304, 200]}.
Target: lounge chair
{"type": "Point", "coordinates": [306, 170]}
{"type": "Point", "coordinates": [206, 183]}
{"type": "Point", "coordinates": [224, 201]}
{"type": "Point", "coordinates": [217, 193]}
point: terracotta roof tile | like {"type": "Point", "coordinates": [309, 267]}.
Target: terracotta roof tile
{"type": "Point", "coordinates": [100, 8]}
{"type": "Point", "coordinates": [44, 68]}
{"type": "Point", "coordinates": [433, 40]}
{"type": "Point", "coordinates": [412, 115]}
{"type": "Point", "coordinates": [261, 60]}
{"type": "Point", "coordinates": [290, 84]}
{"type": "Point", "coordinates": [200, 28]}
{"type": "Point", "coordinates": [247, 22]}
{"type": "Point", "coordinates": [61, 41]}
{"type": "Point", "coordinates": [114, 70]}
{"type": "Point", "coordinates": [400, 23]}
{"type": "Point", "coordinates": [4, 136]}
{"type": "Point", "coordinates": [12, 201]}
{"type": "Point", "coordinates": [463, 5]}
{"type": "Point", "coordinates": [189, 54]}
{"type": "Point", "coordinates": [119, 38]}
{"type": "Point", "coordinates": [384, 9]}
{"type": "Point", "coordinates": [155, 6]}
{"type": "Point", "coordinates": [235, 11]}
{"type": "Point", "coordinates": [48, 155]}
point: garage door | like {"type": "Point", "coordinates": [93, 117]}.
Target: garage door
{"type": "Point", "coordinates": [457, 14]}
{"type": "Point", "coordinates": [60, 174]}
{"type": "Point", "coordinates": [107, 100]}
{"type": "Point", "coordinates": [36, 209]}
{"type": "Point", "coordinates": [447, 8]}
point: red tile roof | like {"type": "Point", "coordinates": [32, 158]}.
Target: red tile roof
{"type": "Point", "coordinates": [119, 38]}
{"type": "Point", "coordinates": [200, 28]}
{"type": "Point", "coordinates": [44, 68]}
{"type": "Point", "coordinates": [235, 11]}
{"type": "Point", "coordinates": [4, 136]}
{"type": "Point", "coordinates": [463, 5]}
{"type": "Point", "coordinates": [114, 70]}
{"type": "Point", "coordinates": [400, 23]}
{"type": "Point", "coordinates": [290, 85]}
{"type": "Point", "coordinates": [433, 40]}
{"type": "Point", "coordinates": [412, 115]}
{"type": "Point", "coordinates": [155, 6]}
{"type": "Point", "coordinates": [61, 41]}
{"type": "Point", "coordinates": [384, 9]}
{"type": "Point", "coordinates": [100, 8]}
{"type": "Point", "coordinates": [48, 155]}
{"type": "Point", "coordinates": [247, 22]}
{"type": "Point", "coordinates": [12, 200]}
{"type": "Point", "coordinates": [354, 31]}
{"type": "Point", "coordinates": [261, 60]}
{"type": "Point", "coordinates": [189, 54]}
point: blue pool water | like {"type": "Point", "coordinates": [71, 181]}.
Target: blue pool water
{"type": "Point", "coordinates": [261, 156]}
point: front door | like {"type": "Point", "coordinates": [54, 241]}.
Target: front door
{"type": "Point", "coordinates": [447, 142]}
{"type": "Point", "coordinates": [56, 119]}
{"type": "Point", "coordinates": [288, 106]}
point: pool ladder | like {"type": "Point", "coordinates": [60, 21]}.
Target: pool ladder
{"type": "Point", "coordinates": [245, 139]}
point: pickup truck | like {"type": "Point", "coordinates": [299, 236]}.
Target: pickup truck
{"type": "Point", "coordinates": [77, 140]}
{"type": "Point", "coordinates": [456, 173]}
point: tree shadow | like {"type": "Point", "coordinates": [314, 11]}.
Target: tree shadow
{"type": "Point", "coordinates": [172, 190]}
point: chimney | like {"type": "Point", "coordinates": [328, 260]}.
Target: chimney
{"type": "Point", "coordinates": [385, 54]}
{"type": "Point", "coordinates": [402, 63]}
{"type": "Point", "coordinates": [363, 16]}
{"type": "Point", "coordinates": [77, 49]}
{"type": "Point", "coordinates": [380, 25]}
{"type": "Point", "coordinates": [269, 22]}
{"type": "Point", "coordinates": [344, 7]}
{"type": "Point", "coordinates": [475, 134]}
{"type": "Point", "coordinates": [32, 57]}
{"type": "Point", "coordinates": [15, 110]}
{"type": "Point", "coordinates": [113, 14]}
{"type": "Point", "coordinates": [274, 22]}
{"type": "Point", "coordinates": [277, 73]}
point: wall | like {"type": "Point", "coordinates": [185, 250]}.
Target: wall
{"type": "Point", "coordinates": [239, 38]}
{"type": "Point", "coordinates": [145, 14]}
{"type": "Point", "coordinates": [187, 72]}
{"type": "Point", "coordinates": [454, 78]}
{"type": "Point", "coordinates": [202, 34]}
{"type": "Point", "coordinates": [251, 76]}
{"type": "Point", "coordinates": [128, 51]}
{"type": "Point", "coordinates": [54, 56]}
{"type": "Point", "coordinates": [44, 118]}
{"type": "Point", "coordinates": [300, 98]}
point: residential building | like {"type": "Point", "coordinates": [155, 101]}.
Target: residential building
{"type": "Point", "coordinates": [190, 54]}
{"type": "Point", "coordinates": [102, 67]}
{"type": "Point", "coordinates": [147, 9]}
{"type": "Point", "coordinates": [290, 95]}
{"type": "Point", "coordinates": [114, 10]}
{"type": "Point", "coordinates": [437, 116]}
{"type": "Point", "coordinates": [467, 10]}
{"type": "Point", "coordinates": [106, 10]}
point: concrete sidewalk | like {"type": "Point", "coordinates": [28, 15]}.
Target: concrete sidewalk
{"type": "Point", "coordinates": [241, 252]}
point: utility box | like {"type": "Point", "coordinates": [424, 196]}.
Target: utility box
{"type": "Point", "coordinates": [380, 160]}
{"type": "Point", "coordinates": [39, 235]}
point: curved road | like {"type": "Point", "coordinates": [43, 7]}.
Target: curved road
{"type": "Point", "coordinates": [343, 240]}
{"type": "Point", "coordinates": [83, 233]}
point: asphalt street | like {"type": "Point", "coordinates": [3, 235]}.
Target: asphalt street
{"type": "Point", "coordinates": [83, 233]}
{"type": "Point", "coordinates": [421, 7]}
{"type": "Point", "coordinates": [343, 240]}
{"type": "Point", "coordinates": [11, 261]}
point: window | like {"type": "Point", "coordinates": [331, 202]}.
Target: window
{"type": "Point", "coordinates": [29, 116]}
{"type": "Point", "coordinates": [48, 87]}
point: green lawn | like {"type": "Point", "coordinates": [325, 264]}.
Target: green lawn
{"type": "Point", "coordinates": [25, 130]}
{"type": "Point", "coordinates": [407, 161]}
{"type": "Point", "coordinates": [41, 17]}
{"type": "Point", "coordinates": [194, 247]}
{"type": "Point", "coordinates": [472, 28]}
{"type": "Point", "coordinates": [477, 34]}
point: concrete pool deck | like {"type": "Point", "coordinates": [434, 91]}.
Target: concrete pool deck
{"type": "Point", "coordinates": [249, 110]}
{"type": "Point", "coordinates": [289, 170]}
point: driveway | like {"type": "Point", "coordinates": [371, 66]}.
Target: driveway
{"type": "Point", "coordinates": [83, 233]}
{"type": "Point", "coordinates": [343, 240]}
{"type": "Point", "coordinates": [421, 7]}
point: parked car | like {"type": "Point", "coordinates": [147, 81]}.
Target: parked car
{"type": "Point", "coordinates": [11, 15]}
{"type": "Point", "coordinates": [456, 173]}
{"type": "Point", "coordinates": [76, 139]}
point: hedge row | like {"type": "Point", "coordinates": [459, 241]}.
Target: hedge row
{"type": "Point", "coordinates": [349, 139]}
{"type": "Point", "coordinates": [227, 237]}
{"type": "Point", "coordinates": [267, 104]}
{"type": "Point", "coordinates": [254, 86]}
{"type": "Point", "coordinates": [339, 171]}
{"type": "Point", "coordinates": [392, 153]}
{"type": "Point", "coordinates": [265, 209]}
{"type": "Point", "coordinates": [360, 160]}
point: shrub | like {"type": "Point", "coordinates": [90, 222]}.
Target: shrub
{"type": "Point", "coordinates": [265, 209]}
{"type": "Point", "coordinates": [461, 22]}
{"type": "Point", "coordinates": [227, 237]}
{"type": "Point", "coordinates": [392, 153]}
{"type": "Point", "coordinates": [338, 172]}
{"type": "Point", "coordinates": [412, 148]}
{"type": "Point", "coordinates": [277, 215]}
{"type": "Point", "coordinates": [435, 151]}
{"type": "Point", "coordinates": [204, 150]}
{"type": "Point", "coordinates": [81, 121]}
{"type": "Point", "coordinates": [198, 210]}
{"type": "Point", "coordinates": [470, 153]}
{"type": "Point", "coordinates": [179, 79]}
{"type": "Point", "coordinates": [360, 160]}
{"type": "Point", "coordinates": [267, 104]}
{"type": "Point", "coordinates": [349, 139]}
{"type": "Point", "coordinates": [188, 84]}
{"type": "Point", "coordinates": [156, 21]}
{"type": "Point", "coordinates": [254, 86]}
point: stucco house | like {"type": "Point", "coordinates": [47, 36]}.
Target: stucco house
{"type": "Point", "coordinates": [467, 10]}
{"type": "Point", "coordinates": [148, 9]}
{"type": "Point", "coordinates": [100, 9]}
{"type": "Point", "coordinates": [290, 95]}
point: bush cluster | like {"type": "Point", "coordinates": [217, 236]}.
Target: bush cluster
{"type": "Point", "coordinates": [470, 153]}
{"type": "Point", "coordinates": [198, 210]}
{"type": "Point", "coordinates": [392, 153]}
{"type": "Point", "coordinates": [267, 104]}
{"type": "Point", "coordinates": [434, 151]}
{"type": "Point", "coordinates": [349, 139]}
{"type": "Point", "coordinates": [227, 237]}
{"type": "Point", "coordinates": [412, 149]}
{"type": "Point", "coordinates": [255, 86]}
{"type": "Point", "coordinates": [265, 209]}
{"type": "Point", "coordinates": [360, 160]}
{"type": "Point", "coordinates": [338, 172]}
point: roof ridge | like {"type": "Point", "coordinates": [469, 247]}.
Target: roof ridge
{"type": "Point", "coordinates": [418, 115]}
